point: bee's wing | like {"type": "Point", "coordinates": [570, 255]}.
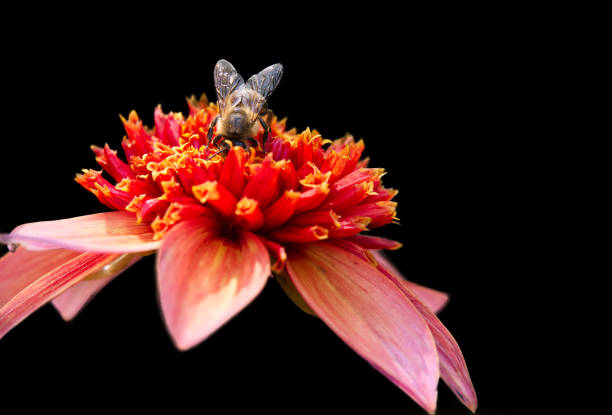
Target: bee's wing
{"type": "Point", "coordinates": [226, 80]}
{"type": "Point", "coordinates": [265, 82]}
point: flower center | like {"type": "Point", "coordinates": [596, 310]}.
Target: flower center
{"type": "Point", "coordinates": [289, 189]}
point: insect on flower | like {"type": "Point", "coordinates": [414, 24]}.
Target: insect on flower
{"type": "Point", "coordinates": [241, 105]}
{"type": "Point", "coordinates": [290, 209]}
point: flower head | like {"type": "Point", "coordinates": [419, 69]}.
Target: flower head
{"type": "Point", "coordinates": [294, 207]}
{"type": "Point", "coordinates": [294, 191]}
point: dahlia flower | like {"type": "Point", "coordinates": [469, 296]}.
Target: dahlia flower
{"type": "Point", "coordinates": [294, 209]}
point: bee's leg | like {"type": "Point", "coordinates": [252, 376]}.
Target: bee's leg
{"type": "Point", "coordinates": [211, 129]}
{"type": "Point", "coordinates": [216, 152]}
{"type": "Point", "coordinates": [253, 142]}
{"type": "Point", "coordinates": [223, 147]}
{"type": "Point", "coordinates": [266, 131]}
{"type": "Point", "coordinates": [216, 140]}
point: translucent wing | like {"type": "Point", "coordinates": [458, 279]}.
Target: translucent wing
{"type": "Point", "coordinates": [226, 80]}
{"type": "Point", "coordinates": [265, 82]}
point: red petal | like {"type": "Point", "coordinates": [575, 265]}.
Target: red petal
{"type": "Point", "coordinates": [232, 176]}
{"type": "Point", "coordinates": [138, 187]}
{"type": "Point", "coordinates": [196, 105]}
{"type": "Point", "coordinates": [248, 215]}
{"type": "Point", "coordinates": [299, 234]}
{"type": "Point", "coordinates": [370, 313]}
{"type": "Point", "coordinates": [380, 212]}
{"type": "Point", "coordinates": [105, 192]}
{"type": "Point", "coordinates": [109, 161]}
{"type": "Point", "coordinates": [72, 301]}
{"type": "Point", "coordinates": [29, 279]}
{"type": "Point", "coordinates": [342, 156]}
{"type": "Point", "coordinates": [281, 210]}
{"type": "Point", "coordinates": [148, 209]}
{"type": "Point", "coordinates": [204, 279]}
{"type": "Point", "coordinates": [138, 139]}
{"type": "Point", "coordinates": [453, 369]}
{"type": "Point", "coordinates": [173, 190]}
{"type": "Point", "coordinates": [287, 177]}
{"type": "Point", "coordinates": [326, 217]}
{"type": "Point", "coordinates": [216, 196]}
{"type": "Point", "coordinates": [102, 232]}
{"type": "Point", "coordinates": [349, 196]}
{"type": "Point", "coordinates": [263, 184]}
{"type": "Point", "coordinates": [349, 227]}
{"type": "Point", "coordinates": [312, 198]}
{"type": "Point", "coordinates": [381, 194]}
{"type": "Point", "coordinates": [356, 177]}
{"type": "Point", "coordinates": [191, 174]}
{"type": "Point", "coordinates": [166, 127]}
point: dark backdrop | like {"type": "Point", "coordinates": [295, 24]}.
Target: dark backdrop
{"type": "Point", "coordinates": [429, 104]}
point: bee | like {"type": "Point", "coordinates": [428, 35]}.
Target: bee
{"type": "Point", "coordinates": [241, 106]}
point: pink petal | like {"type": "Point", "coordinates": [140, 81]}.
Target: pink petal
{"type": "Point", "coordinates": [30, 279]}
{"type": "Point", "coordinates": [20, 268]}
{"type": "Point", "coordinates": [72, 301]}
{"type": "Point", "coordinates": [370, 313]}
{"type": "Point", "coordinates": [433, 299]}
{"type": "Point", "coordinates": [102, 232]}
{"type": "Point", "coordinates": [453, 369]}
{"type": "Point", "coordinates": [204, 278]}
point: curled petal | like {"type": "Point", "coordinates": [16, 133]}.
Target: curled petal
{"type": "Point", "coordinates": [204, 278]}
{"type": "Point", "coordinates": [278, 253]}
{"type": "Point", "coordinates": [370, 313]}
{"type": "Point", "coordinates": [30, 279]}
{"type": "Point", "coordinates": [374, 242]}
{"type": "Point", "coordinates": [102, 232]}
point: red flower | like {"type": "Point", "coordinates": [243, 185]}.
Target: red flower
{"type": "Point", "coordinates": [216, 223]}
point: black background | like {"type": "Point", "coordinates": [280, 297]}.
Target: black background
{"type": "Point", "coordinates": [430, 101]}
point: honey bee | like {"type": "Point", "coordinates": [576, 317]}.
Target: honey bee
{"type": "Point", "coordinates": [241, 106]}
